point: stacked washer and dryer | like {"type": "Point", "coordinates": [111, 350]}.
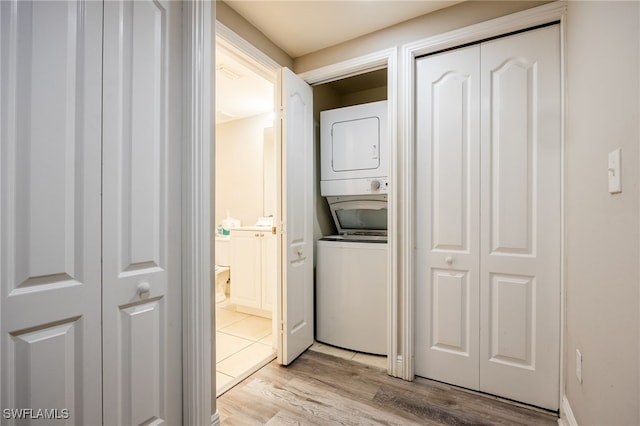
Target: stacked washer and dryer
{"type": "Point", "coordinates": [351, 269]}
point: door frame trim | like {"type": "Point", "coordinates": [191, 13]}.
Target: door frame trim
{"type": "Point", "coordinates": [548, 13]}
{"type": "Point", "coordinates": [197, 19]}
{"type": "Point", "coordinates": [264, 65]}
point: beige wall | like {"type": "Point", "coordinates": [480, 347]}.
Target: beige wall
{"type": "Point", "coordinates": [438, 22]}
{"type": "Point", "coordinates": [602, 230]}
{"type": "Point", "coordinates": [239, 156]}
{"type": "Point", "coordinates": [231, 19]}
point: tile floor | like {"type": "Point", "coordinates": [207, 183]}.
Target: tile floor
{"type": "Point", "coordinates": [244, 344]}
{"type": "Point", "coordinates": [374, 360]}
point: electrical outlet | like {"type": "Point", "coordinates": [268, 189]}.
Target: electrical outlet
{"type": "Point", "coordinates": [579, 366]}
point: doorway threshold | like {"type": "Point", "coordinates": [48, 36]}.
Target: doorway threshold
{"type": "Point", "coordinates": [227, 383]}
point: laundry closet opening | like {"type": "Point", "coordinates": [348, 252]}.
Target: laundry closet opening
{"type": "Point", "coordinates": [352, 185]}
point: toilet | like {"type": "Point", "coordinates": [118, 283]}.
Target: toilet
{"type": "Point", "coordinates": [221, 266]}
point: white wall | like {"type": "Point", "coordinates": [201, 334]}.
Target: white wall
{"type": "Point", "coordinates": [602, 230]}
{"type": "Point", "coordinates": [239, 171]}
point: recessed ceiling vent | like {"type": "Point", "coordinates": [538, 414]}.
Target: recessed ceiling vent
{"type": "Point", "coordinates": [223, 116]}
{"type": "Point", "coordinates": [229, 72]}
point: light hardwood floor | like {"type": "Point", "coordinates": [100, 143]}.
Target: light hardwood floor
{"type": "Point", "coordinates": [321, 389]}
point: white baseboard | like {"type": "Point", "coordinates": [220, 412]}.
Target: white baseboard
{"type": "Point", "coordinates": [566, 415]}
{"type": "Point", "coordinates": [215, 419]}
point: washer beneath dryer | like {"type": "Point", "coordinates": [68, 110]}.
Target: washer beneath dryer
{"type": "Point", "coordinates": [351, 292]}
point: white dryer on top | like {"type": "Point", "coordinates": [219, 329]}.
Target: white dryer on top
{"type": "Point", "coordinates": [354, 150]}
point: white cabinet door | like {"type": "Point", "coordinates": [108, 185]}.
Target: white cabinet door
{"type": "Point", "coordinates": [50, 104]}
{"type": "Point", "coordinates": [141, 212]}
{"type": "Point", "coordinates": [488, 217]}
{"type": "Point", "coordinates": [245, 268]}
{"type": "Point", "coordinates": [447, 199]}
{"type": "Point", "coordinates": [253, 271]}
{"type": "Point", "coordinates": [269, 270]}
{"type": "Point", "coordinates": [295, 301]}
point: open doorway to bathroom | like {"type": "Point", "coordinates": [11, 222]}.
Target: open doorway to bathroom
{"type": "Point", "coordinates": [244, 158]}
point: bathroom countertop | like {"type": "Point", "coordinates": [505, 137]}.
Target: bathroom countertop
{"type": "Point", "coordinates": [253, 228]}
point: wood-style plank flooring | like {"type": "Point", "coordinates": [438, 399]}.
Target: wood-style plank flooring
{"type": "Point", "coordinates": [320, 389]}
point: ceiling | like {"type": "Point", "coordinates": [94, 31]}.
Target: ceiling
{"type": "Point", "coordinates": [240, 91]}
{"type": "Point", "coordinates": [300, 27]}
{"type": "Point", "coordinates": [303, 26]}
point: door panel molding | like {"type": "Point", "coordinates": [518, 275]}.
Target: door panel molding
{"type": "Point", "coordinates": [450, 326]}
{"type": "Point", "coordinates": [143, 363]}
{"type": "Point", "coordinates": [515, 320]}
{"type": "Point", "coordinates": [37, 215]}
{"type": "Point", "coordinates": [452, 98]}
{"type": "Point", "coordinates": [513, 163]}
{"type": "Point", "coordinates": [47, 361]}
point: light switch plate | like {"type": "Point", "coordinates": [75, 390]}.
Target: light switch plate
{"type": "Point", "coordinates": [615, 181]}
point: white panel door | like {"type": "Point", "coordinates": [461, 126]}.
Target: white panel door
{"type": "Point", "coordinates": [520, 249]}
{"type": "Point", "coordinates": [295, 301]}
{"type": "Point", "coordinates": [50, 102]}
{"type": "Point", "coordinates": [141, 212]}
{"type": "Point", "coordinates": [447, 197]}
{"type": "Point", "coordinates": [488, 209]}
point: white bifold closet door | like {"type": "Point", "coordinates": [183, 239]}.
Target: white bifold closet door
{"type": "Point", "coordinates": [488, 216]}
{"type": "Point", "coordinates": [50, 270]}
{"type": "Point", "coordinates": [90, 277]}
{"type": "Point", "coordinates": [141, 239]}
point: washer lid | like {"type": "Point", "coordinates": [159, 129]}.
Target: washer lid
{"type": "Point", "coordinates": [362, 215]}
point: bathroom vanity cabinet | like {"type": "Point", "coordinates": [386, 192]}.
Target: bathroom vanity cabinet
{"type": "Point", "coordinates": [253, 270]}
